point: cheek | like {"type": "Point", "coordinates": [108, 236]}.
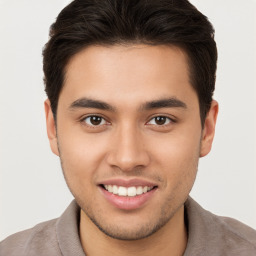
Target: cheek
{"type": "Point", "coordinates": [176, 149]}
{"type": "Point", "coordinates": [80, 156]}
{"type": "Point", "coordinates": [79, 165]}
{"type": "Point", "coordinates": [74, 153]}
{"type": "Point", "coordinates": [178, 155]}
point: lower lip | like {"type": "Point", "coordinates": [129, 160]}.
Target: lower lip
{"type": "Point", "coordinates": [128, 202]}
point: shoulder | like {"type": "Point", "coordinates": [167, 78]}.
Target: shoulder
{"type": "Point", "coordinates": [236, 233]}
{"type": "Point", "coordinates": [216, 235]}
{"type": "Point", "coordinates": [55, 237]}
{"type": "Point", "coordinates": [39, 240]}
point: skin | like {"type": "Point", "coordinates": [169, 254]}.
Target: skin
{"type": "Point", "coordinates": [128, 143]}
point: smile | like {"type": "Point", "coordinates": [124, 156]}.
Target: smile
{"type": "Point", "coordinates": [127, 191]}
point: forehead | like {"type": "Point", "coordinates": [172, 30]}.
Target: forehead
{"type": "Point", "coordinates": [123, 73]}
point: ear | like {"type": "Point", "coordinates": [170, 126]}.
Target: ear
{"type": "Point", "coordinates": [209, 129]}
{"type": "Point", "coordinates": [51, 127]}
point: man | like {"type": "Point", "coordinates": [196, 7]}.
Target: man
{"type": "Point", "coordinates": [130, 112]}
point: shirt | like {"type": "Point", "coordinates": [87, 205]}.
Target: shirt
{"type": "Point", "coordinates": [208, 235]}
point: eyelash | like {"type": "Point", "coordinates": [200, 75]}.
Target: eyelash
{"type": "Point", "coordinates": [102, 119]}
{"type": "Point", "coordinates": [83, 120]}
{"type": "Point", "coordinates": [166, 118]}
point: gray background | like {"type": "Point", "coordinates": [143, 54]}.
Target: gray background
{"type": "Point", "coordinates": [32, 188]}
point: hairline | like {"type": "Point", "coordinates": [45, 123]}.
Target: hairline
{"type": "Point", "coordinates": [129, 43]}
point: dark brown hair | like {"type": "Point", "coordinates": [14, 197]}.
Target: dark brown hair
{"type": "Point", "coordinates": [109, 22]}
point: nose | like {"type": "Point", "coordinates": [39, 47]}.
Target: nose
{"type": "Point", "coordinates": [128, 151]}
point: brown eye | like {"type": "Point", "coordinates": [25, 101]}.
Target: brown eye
{"type": "Point", "coordinates": [160, 120]}
{"type": "Point", "coordinates": [94, 120]}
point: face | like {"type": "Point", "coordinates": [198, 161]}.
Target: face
{"type": "Point", "coordinates": [129, 136]}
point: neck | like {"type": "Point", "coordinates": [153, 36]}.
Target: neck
{"type": "Point", "coordinates": [172, 238]}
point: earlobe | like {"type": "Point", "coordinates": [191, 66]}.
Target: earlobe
{"type": "Point", "coordinates": [51, 127]}
{"type": "Point", "coordinates": [209, 129]}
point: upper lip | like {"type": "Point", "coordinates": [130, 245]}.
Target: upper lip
{"type": "Point", "coordinates": [135, 182]}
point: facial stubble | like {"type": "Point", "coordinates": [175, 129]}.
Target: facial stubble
{"type": "Point", "coordinates": [113, 229]}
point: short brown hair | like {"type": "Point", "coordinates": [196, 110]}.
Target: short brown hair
{"type": "Point", "coordinates": [109, 22]}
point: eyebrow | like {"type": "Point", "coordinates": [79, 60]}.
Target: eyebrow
{"type": "Point", "coordinates": [90, 103]}
{"type": "Point", "coordinates": [164, 103]}
{"type": "Point", "coordinates": [161, 103]}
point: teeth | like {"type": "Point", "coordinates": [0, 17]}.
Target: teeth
{"type": "Point", "coordinates": [122, 191]}
{"type": "Point", "coordinates": [115, 189]}
{"type": "Point", "coordinates": [139, 191]}
{"type": "Point", "coordinates": [130, 191]}
{"type": "Point", "coordinates": [110, 188]}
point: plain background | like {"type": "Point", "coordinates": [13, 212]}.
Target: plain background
{"type": "Point", "coordinates": [32, 188]}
